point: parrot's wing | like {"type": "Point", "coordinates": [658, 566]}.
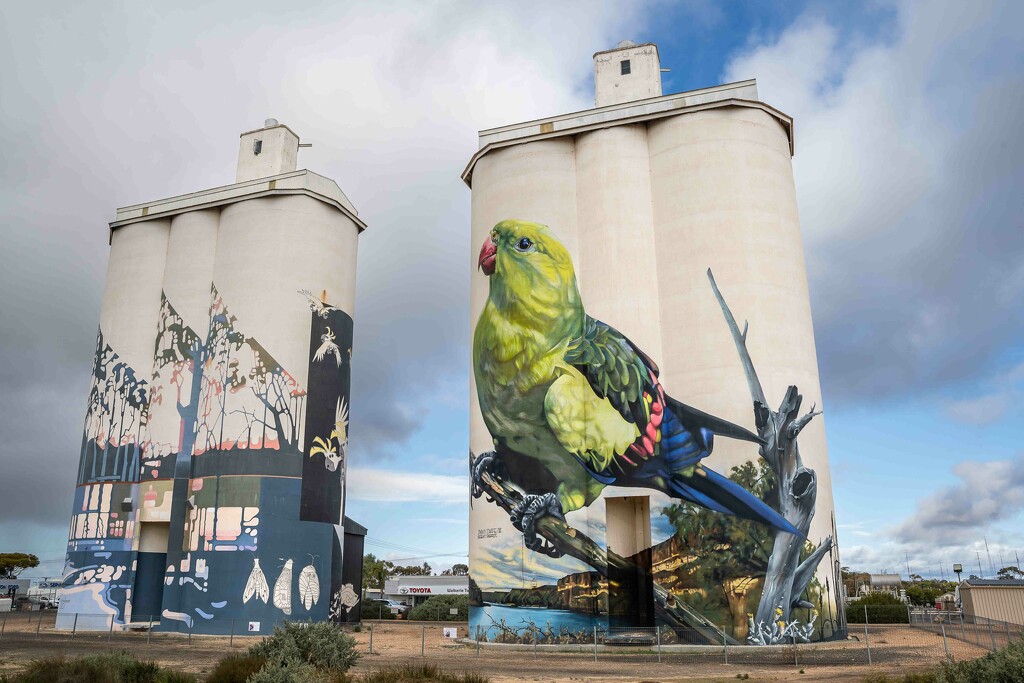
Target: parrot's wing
{"type": "Point", "coordinates": [619, 371]}
{"type": "Point", "coordinates": [616, 369]}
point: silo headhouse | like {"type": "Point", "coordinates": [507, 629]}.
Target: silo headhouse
{"type": "Point", "coordinates": [211, 486]}
{"type": "Point", "coordinates": [640, 456]}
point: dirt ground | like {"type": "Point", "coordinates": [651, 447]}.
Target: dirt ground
{"type": "Point", "coordinates": [894, 650]}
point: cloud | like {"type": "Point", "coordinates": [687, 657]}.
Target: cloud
{"type": "Point", "coordinates": [105, 107]}
{"type": "Point", "coordinates": [908, 166]}
{"type": "Point", "coordinates": [390, 486]}
{"type": "Point", "coordinates": [953, 524]}
{"type": "Point", "coordinates": [1006, 394]}
{"type": "Point", "coordinates": [987, 492]}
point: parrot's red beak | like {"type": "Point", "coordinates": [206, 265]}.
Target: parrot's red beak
{"type": "Point", "coordinates": [488, 253]}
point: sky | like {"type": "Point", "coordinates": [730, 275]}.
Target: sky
{"type": "Point", "coordinates": [908, 171]}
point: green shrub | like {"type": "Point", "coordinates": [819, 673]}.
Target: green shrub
{"type": "Point", "coordinates": [438, 608]}
{"type": "Point", "coordinates": [288, 671]}
{"type": "Point", "coordinates": [235, 669]}
{"type": "Point", "coordinates": [322, 645]}
{"type": "Point", "coordinates": [882, 608]}
{"type": "Point", "coordinates": [118, 667]}
{"type": "Point", "coordinates": [1005, 665]}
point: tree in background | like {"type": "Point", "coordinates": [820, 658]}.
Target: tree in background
{"type": "Point", "coordinates": [411, 570]}
{"type": "Point", "coordinates": [439, 607]}
{"type": "Point", "coordinates": [12, 564]}
{"type": "Point", "coordinates": [877, 608]}
{"type": "Point", "coordinates": [1009, 574]}
{"type": "Point", "coordinates": [375, 571]}
{"type": "Point", "coordinates": [456, 570]}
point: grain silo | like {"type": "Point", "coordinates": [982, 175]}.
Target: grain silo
{"type": "Point", "coordinates": [650, 195]}
{"type": "Point", "coordinates": [210, 491]}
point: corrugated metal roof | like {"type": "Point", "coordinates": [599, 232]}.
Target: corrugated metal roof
{"type": "Point", "coordinates": [997, 583]}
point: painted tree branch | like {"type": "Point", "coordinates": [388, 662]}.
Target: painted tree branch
{"type": "Point", "coordinates": [786, 578]}
{"type": "Point", "coordinates": [570, 541]}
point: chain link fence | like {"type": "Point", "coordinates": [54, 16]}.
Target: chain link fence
{"type": "Point", "coordinates": [923, 638]}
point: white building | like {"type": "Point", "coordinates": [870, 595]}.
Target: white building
{"type": "Point", "coordinates": [414, 590]}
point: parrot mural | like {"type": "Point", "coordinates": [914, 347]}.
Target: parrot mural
{"type": "Point", "coordinates": [574, 406]}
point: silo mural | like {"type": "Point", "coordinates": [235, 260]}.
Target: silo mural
{"type": "Point", "coordinates": [211, 481]}
{"type": "Point", "coordinates": [638, 458]}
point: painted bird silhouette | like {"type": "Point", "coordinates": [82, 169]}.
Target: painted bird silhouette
{"type": "Point", "coordinates": [562, 390]}
{"type": "Point", "coordinates": [327, 346]}
{"type": "Point", "coordinates": [318, 305]}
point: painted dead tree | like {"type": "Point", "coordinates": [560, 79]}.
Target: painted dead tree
{"type": "Point", "coordinates": [787, 576]}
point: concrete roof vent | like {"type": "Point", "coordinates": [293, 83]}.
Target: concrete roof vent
{"type": "Point", "coordinates": [625, 43]}
{"type": "Point", "coordinates": [270, 123]}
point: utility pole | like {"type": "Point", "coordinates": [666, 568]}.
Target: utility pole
{"type": "Point", "coordinates": [981, 572]}
{"type": "Point", "coordinates": [907, 555]}
{"type": "Point", "coordinates": [989, 556]}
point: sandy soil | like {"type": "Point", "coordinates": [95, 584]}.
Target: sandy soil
{"type": "Point", "coordinates": [893, 650]}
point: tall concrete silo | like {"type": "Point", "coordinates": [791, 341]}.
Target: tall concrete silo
{"type": "Point", "coordinates": [648, 193]}
{"type": "Point", "coordinates": [211, 483]}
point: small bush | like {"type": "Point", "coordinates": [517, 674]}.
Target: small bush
{"type": "Point", "coordinates": [235, 669]}
{"type": "Point", "coordinates": [321, 645]}
{"type": "Point", "coordinates": [1005, 665]}
{"type": "Point", "coordinates": [118, 667]}
{"type": "Point", "coordinates": [288, 671]}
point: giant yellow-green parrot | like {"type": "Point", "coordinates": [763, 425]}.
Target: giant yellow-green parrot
{"type": "Point", "coordinates": [573, 405]}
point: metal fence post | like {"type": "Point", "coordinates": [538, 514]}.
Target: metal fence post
{"type": "Point", "coordinates": [39, 624]}
{"type": "Point", "coordinates": [534, 641]}
{"type": "Point", "coordinates": [867, 641]}
{"type": "Point", "coordinates": [149, 631]}
{"type": "Point", "coordinates": [478, 641]}
{"type": "Point", "coordinates": [110, 633]}
{"type": "Point", "coordinates": [725, 646]}
{"type": "Point", "coordinates": [1007, 632]}
{"type": "Point", "coordinates": [423, 640]}
{"type": "Point", "coordinates": [371, 639]}
{"type": "Point", "coordinates": [796, 653]}
{"type": "Point", "coordinates": [595, 643]}
{"type": "Point", "coordinates": [991, 635]}
{"type": "Point", "coordinates": [190, 633]}
{"type": "Point", "coordinates": [74, 626]}
{"type": "Point", "coordinates": [945, 645]}
{"type": "Point", "coordinates": [4, 626]}
{"type": "Point", "coordinates": [657, 632]}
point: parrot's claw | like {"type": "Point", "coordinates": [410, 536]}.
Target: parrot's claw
{"type": "Point", "coordinates": [485, 463]}
{"type": "Point", "coordinates": [524, 517]}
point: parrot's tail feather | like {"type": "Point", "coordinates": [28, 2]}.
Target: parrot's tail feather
{"type": "Point", "coordinates": [715, 492]}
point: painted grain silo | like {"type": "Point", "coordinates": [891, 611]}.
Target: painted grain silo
{"type": "Point", "coordinates": [645, 450]}
{"type": "Point", "coordinates": [210, 491]}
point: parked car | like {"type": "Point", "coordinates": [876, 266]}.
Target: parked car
{"type": "Point", "coordinates": [385, 608]}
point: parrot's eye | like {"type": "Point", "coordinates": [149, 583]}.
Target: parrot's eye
{"type": "Point", "coordinates": [524, 244]}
